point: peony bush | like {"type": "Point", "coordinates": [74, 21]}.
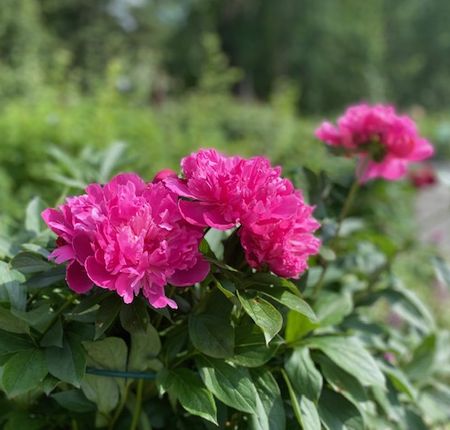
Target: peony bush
{"type": "Point", "coordinates": [217, 297]}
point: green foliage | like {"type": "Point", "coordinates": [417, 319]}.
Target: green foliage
{"type": "Point", "coordinates": [249, 349]}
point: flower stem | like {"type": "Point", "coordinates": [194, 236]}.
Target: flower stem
{"type": "Point", "coordinates": [138, 405]}
{"type": "Point", "coordinates": [342, 215]}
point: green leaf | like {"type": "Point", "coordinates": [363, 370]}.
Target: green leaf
{"type": "Point", "coordinates": [55, 275]}
{"type": "Point", "coordinates": [290, 300]}
{"type": "Point", "coordinates": [399, 380]}
{"type": "Point", "coordinates": [331, 308]}
{"type": "Point", "coordinates": [270, 410]}
{"type": "Point", "coordinates": [69, 362]}
{"type": "Point", "coordinates": [297, 326]}
{"type": "Point", "coordinates": [12, 343]}
{"type": "Point", "coordinates": [212, 334]}
{"type": "Point", "coordinates": [27, 262]}
{"type": "Point", "coordinates": [107, 313]}
{"type": "Point", "coordinates": [104, 392]}
{"type": "Point", "coordinates": [145, 346]}
{"type": "Point", "coordinates": [187, 387]}
{"type": "Point", "coordinates": [263, 313]}
{"type": "Point", "coordinates": [305, 410]}
{"type": "Point", "coordinates": [422, 363]}
{"type": "Point", "coordinates": [337, 413]}
{"type": "Point", "coordinates": [24, 371]}
{"type": "Point", "coordinates": [250, 348]}
{"type": "Point", "coordinates": [350, 354]}
{"type": "Point", "coordinates": [231, 385]}
{"type": "Point", "coordinates": [54, 335]}
{"type": "Point", "coordinates": [38, 318]}
{"type": "Point", "coordinates": [33, 219]}
{"type": "Point", "coordinates": [302, 372]}
{"type": "Point", "coordinates": [342, 381]}
{"type": "Point", "coordinates": [110, 160]}
{"type": "Point", "coordinates": [272, 280]}
{"type": "Point", "coordinates": [74, 400]}
{"type": "Point", "coordinates": [11, 323]}
{"type": "Point", "coordinates": [12, 287]}
{"type": "Point", "coordinates": [21, 419]}
{"type": "Point", "coordinates": [134, 317]}
{"type": "Point", "coordinates": [109, 353]}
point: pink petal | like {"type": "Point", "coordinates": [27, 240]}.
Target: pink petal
{"type": "Point", "coordinates": [197, 273]}
{"type": "Point", "coordinates": [62, 254]}
{"type": "Point", "coordinates": [98, 274]}
{"type": "Point", "coordinates": [82, 246]}
{"type": "Point", "coordinates": [164, 174]}
{"type": "Point", "coordinates": [157, 297]}
{"type": "Point", "coordinates": [423, 150]}
{"type": "Point", "coordinates": [178, 186]}
{"type": "Point", "coordinates": [77, 278]}
{"type": "Point", "coordinates": [124, 288]}
{"type": "Point", "coordinates": [203, 214]}
{"type": "Point", "coordinates": [56, 221]}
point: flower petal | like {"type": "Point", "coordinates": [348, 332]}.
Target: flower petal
{"type": "Point", "coordinates": [77, 278]}
{"type": "Point", "coordinates": [183, 278]}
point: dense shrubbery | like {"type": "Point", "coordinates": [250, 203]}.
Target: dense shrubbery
{"type": "Point", "coordinates": [353, 349]}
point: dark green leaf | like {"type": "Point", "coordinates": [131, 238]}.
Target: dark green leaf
{"type": "Point", "coordinates": [11, 323]}
{"type": "Point", "coordinates": [55, 275]}
{"type": "Point", "coordinates": [231, 385]}
{"type": "Point", "coordinates": [263, 313]}
{"type": "Point", "coordinates": [69, 362]}
{"type": "Point", "coordinates": [341, 380]}
{"type": "Point", "coordinates": [305, 410]}
{"type": "Point", "coordinates": [250, 348]}
{"type": "Point", "coordinates": [212, 334]}
{"type": "Point", "coordinates": [24, 371]}
{"type": "Point", "coordinates": [109, 309]}
{"type": "Point", "coordinates": [12, 343]}
{"type": "Point", "coordinates": [54, 335]}
{"type": "Point", "coordinates": [270, 410]}
{"type": "Point", "coordinates": [337, 413]}
{"type": "Point", "coordinates": [187, 387]}
{"type": "Point", "coordinates": [304, 376]}
{"type": "Point", "coordinates": [134, 317]}
{"type": "Point", "coordinates": [74, 400]}
{"type": "Point", "coordinates": [350, 354]}
{"type": "Point", "coordinates": [27, 262]}
{"type": "Point", "coordinates": [38, 318]}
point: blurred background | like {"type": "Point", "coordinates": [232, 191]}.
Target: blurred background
{"type": "Point", "coordinates": [167, 76]}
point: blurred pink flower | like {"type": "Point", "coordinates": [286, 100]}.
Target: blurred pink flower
{"type": "Point", "coordinates": [127, 236]}
{"type": "Point", "coordinates": [276, 225]}
{"type": "Point", "coordinates": [384, 142]}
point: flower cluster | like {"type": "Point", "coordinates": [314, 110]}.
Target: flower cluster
{"type": "Point", "coordinates": [384, 141]}
{"type": "Point", "coordinates": [275, 224]}
{"type": "Point", "coordinates": [127, 236]}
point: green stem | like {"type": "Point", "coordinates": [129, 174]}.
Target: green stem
{"type": "Point", "coordinates": [138, 405]}
{"type": "Point", "coordinates": [63, 307]}
{"type": "Point", "coordinates": [119, 409]}
{"type": "Point", "coordinates": [342, 215]}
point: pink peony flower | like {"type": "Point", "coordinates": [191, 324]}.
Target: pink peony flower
{"type": "Point", "coordinates": [384, 142]}
{"type": "Point", "coordinates": [127, 236]}
{"type": "Point", "coordinates": [275, 225]}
